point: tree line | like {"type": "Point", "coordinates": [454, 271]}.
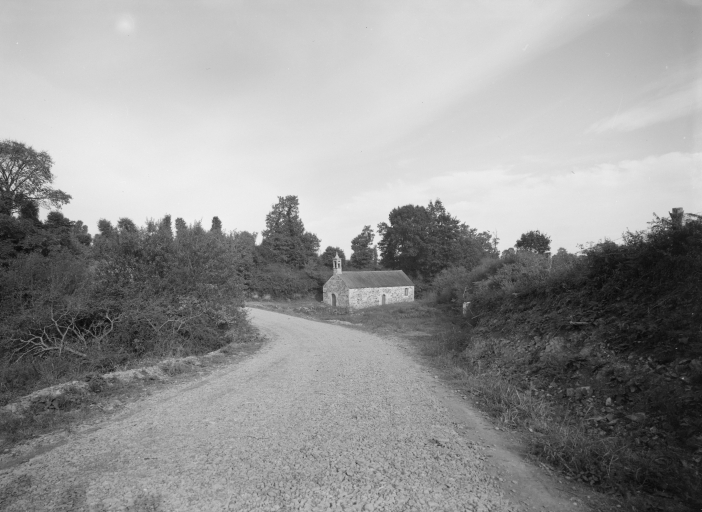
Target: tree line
{"type": "Point", "coordinates": [423, 241]}
{"type": "Point", "coordinates": [420, 240]}
{"type": "Point", "coordinates": [169, 285]}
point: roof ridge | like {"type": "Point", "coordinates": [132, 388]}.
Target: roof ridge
{"type": "Point", "coordinates": [375, 279]}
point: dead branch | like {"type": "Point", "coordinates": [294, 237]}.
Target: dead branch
{"type": "Point", "coordinates": [63, 333]}
{"type": "Point", "coordinates": [54, 337]}
{"type": "Point", "coordinates": [158, 329]}
{"type": "Point", "coordinates": [183, 321]}
{"type": "Point", "coordinates": [38, 345]}
{"type": "Point", "coordinates": [177, 323]}
{"type": "Point", "coordinates": [97, 331]}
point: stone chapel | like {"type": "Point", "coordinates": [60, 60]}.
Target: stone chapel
{"type": "Point", "coordinates": [362, 289]}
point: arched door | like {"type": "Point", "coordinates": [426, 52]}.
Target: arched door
{"type": "Point", "coordinates": [334, 299]}
{"type": "Point", "coordinates": [383, 299]}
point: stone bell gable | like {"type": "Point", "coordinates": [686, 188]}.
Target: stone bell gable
{"type": "Point", "coordinates": [362, 289]}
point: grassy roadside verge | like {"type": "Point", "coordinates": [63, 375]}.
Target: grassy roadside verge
{"type": "Point", "coordinates": [563, 432]}
{"type": "Point", "coordinates": [530, 385]}
{"type": "Point", "coordinates": [83, 396]}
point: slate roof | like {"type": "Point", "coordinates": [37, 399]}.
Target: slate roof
{"type": "Point", "coordinates": [375, 279]}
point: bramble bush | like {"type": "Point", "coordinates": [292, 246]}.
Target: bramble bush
{"type": "Point", "coordinates": [525, 272]}
{"type": "Point", "coordinates": [520, 270]}
{"type": "Point", "coordinates": [513, 272]}
{"type": "Point", "coordinates": [450, 283]}
{"type": "Point", "coordinates": [280, 281]}
{"type": "Point", "coordinates": [668, 254]}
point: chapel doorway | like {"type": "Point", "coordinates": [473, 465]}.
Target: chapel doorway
{"type": "Point", "coordinates": [383, 299]}
{"type": "Point", "coordinates": [334, 299]}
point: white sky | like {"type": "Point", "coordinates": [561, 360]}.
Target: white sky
{"type": "Point", "coordinates": [577, 118]}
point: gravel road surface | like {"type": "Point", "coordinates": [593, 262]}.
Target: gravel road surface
{"type": "Point", "coordinates": [323, 418]}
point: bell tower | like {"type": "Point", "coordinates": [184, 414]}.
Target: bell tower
{"type": "Point", "coordinates": [337, 264]}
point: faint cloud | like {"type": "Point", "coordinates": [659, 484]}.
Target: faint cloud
{"type": "Point", "coordinates": [573, 207]}
{"type": "Point", "coordinates": [477, 189]}
{"type": "Point", "coordinates": [664, 105]}
{"type": "Point", "coordinates": [125, 24]}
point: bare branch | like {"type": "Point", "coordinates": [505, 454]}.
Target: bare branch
{"type": "Point", "coordinates": [40, 345]}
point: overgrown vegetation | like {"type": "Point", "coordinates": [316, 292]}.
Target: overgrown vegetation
{"type": "Point", "coordinates": [600, 355]}
{"type": "Point", "coordinates": [135, 292]}
{"type": "Point", "coordinates": [71, 304]}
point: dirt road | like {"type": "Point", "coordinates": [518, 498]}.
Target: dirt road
{"type": "Point", "coordinates": [324, 418]}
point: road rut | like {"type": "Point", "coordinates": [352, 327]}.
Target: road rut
{"type": "Point", "coordinates": [323, 418]}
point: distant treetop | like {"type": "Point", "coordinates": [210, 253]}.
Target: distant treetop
{"type": "Point", "coordinates": [534, 241]}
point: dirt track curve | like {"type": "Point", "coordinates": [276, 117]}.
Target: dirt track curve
{"type": "Point", "coordinates": [323, 418]}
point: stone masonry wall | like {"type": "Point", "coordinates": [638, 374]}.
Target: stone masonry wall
{"type": "Point", "coordinates": [367, 297]}
{"type": "Point", "coordinates": [337, 286]}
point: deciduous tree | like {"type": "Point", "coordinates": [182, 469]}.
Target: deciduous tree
{"type": "Point", "coordinates": [424, 241]}
{"type": "Point", "coordinates": [126, 225]}
{"type": "Point", "coordinates": [474, 246]}
{"type": "Point", "coordinates": [534, 241]}
{"type": "Point", "coordinates": [25, 176]}
{"type": "Point", "coordinates": [105, 228]}
{"type": "Point", "coordinates": [80, 231]}
{"type": "Point", "coordinates": [403, 240]}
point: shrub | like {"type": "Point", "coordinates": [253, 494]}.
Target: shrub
{"type": "Point", "coordinates": [278, 280]}
{"type": "Point", "coordinates": [667, 254]}
{"type": "Point", "coordinates": [138, 291]}
{"type": "Point", "coordinates": [455, 283]}
{"type": "Point", "coordinates": [525, 272]}
{"type": "Point", "coordinates": [486, 268]}
{"type": "Point", "coordinates": [450, 284]}
{"type": "Point", "coordinates": [520, 271]}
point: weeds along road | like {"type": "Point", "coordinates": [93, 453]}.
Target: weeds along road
{"type": "Point", "coordinates": [324, 417]}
